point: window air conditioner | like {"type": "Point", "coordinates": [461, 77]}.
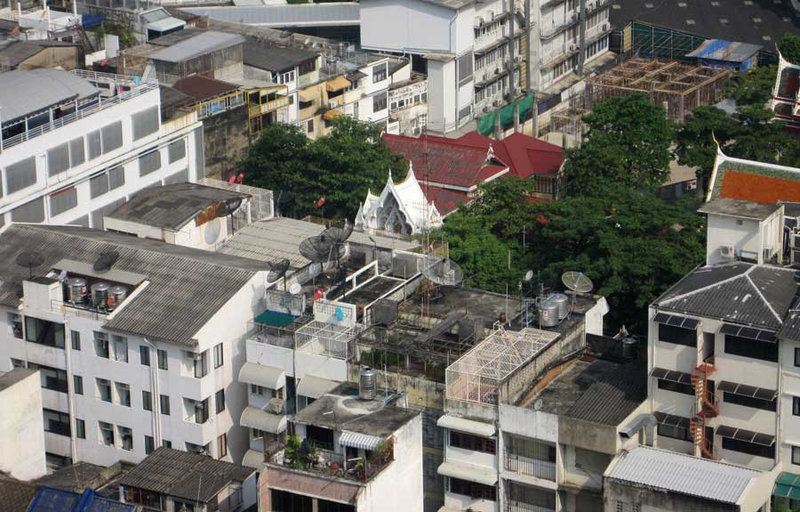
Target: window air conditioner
{"type": "Point", "coordinates": [726, 252]}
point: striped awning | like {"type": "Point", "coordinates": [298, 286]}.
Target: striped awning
{"type": "Point", "coordinates": [270, 377]}
{"type": "Point", "coordinates": [748, 436]}
{"type": "Point", "coordinates": [671, 375]}
{"type": "Point", "coordinates": [748, 391]}
{"type": "Point", "coordinates": [362, 441]}
{"type": "Point", "coordinates": [253, 417]}
{"type": "Point", "coordinates": [310, 94]}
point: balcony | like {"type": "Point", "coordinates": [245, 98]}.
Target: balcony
{"type": "Point", "coordinates": [306, 456]}
{"type": "Point", "coordinates": [531, 466]}
{"type": "Point", "coordinates": [274, 328]}
{"type": "Point", "coordinates": [556, 27]}
{"type": "Point", "coordinates": [520, 506]}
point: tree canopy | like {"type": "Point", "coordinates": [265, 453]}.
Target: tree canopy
{"type": "Point", "coordinates": [329, 176]}
{"type": "Point", "coordinates": [790, 47]}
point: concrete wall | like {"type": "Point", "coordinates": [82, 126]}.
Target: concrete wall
{"type": "Point", "coordinates": [407, 26]}
{"type": "Point", "coordinates": [22, 442]}
{"type": "Point", "coordinates": [226, 141]}
{"type": "Point", "coordinates": [742, 234]}
{"type": "Point", "coordinates": [651, 500]}
{"type": "Point", "coordinates": [65, 57]}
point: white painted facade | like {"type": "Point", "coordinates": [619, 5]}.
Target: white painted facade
{"type": "Point", "coordinates": [170, 373]}
{"type": "Point", "coordinates": [400, 208]}
{"type": "Point", "coordinates": [97, 184]}
{"type": "Point", "coordinates": [734, 237]}
{"type": "Point", "coordinates": [22, 442]}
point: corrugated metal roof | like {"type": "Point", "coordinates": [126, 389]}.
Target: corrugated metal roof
{"type": "Point", "coordinates": [200, 44]}
{"type": "Point", "coordinates": [727, 51]}
{"type": "Point", "coordinates": [187, 286]}
{"type": "Point", "coordinates": [683, 474]}
{"type": "Point", "coordinates": [357, 440]}
{"type": "Point", "coordinates": [297, 15]}
{"type": "Point", "coordinates": [274, 58]}
{"type": "Point", "coordinates": [25, 92]}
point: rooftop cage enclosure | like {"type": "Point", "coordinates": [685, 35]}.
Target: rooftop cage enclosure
{"type": "Point", "coordinates": [478, 374]}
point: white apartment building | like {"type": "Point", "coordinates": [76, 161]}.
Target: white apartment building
{"type": "Point", "coordinates": [75, 145]}
{"type": "Point", "coordinates": [138, 342]}
{"type": "Point", "coordinates": [408, 101]}
{"type": "Point", "coordinates": [465, 46]}
{"type": "Point", "coordinates": [22, 422]}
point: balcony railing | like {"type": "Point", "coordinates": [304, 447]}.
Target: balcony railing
{"type": "Point", "coordinates": [520, 506]}
{"type": "Point", "coordinates": [335, 465]}
{"type": "Point", "coordinates": [531, 466]}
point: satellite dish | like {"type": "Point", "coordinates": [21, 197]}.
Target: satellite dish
{"type": "Point", "coordinates": [295, 288]}
{"type": "Point", "coordinates": [30, 260]}
{"type": "Point", "coordinates": [443, 271]}
{"type": "Point", "coordinates": [229, 206]}
{"type": "Point", "coordinates": [277, 270]}
{"type": "Point", "coordinates": [528, 276]}
{"type": "Point", "coordinates": [105, 261]}
{"type": "Point", "coordinates": [327, 245]}
{"type": "Point", "coordinates": [577, 281]}
{"type": "Point", "coordinates": [212, 231]}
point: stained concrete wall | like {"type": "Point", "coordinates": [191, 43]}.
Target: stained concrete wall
{"type": "Point", "coordinates": [651, 500]}
{"type": "Point", "coordinates": [227, 139]}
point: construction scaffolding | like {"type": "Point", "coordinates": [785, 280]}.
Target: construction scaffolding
{"type": "Point", "coordinates": [678, 86]}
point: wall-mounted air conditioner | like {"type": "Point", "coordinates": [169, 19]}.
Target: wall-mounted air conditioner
{"type": "Point", "coordinates": [727, 252]}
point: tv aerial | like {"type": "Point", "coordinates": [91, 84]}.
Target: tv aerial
{"type": "Point", "coordinates": [30, 260]}
{"type": "Point", "coordinates": [443, 271]}
{"type": "Point", "coordinates": [278, 271]}
{"type": "Point", "coordinates": [578, 282]}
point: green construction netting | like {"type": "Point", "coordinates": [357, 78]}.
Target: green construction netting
{"type": "Point", "coordinates": [486, 123]}
{"type": "Point", "coordinates": [275, 318]}
{"type": "Point", "coordinates": [787, 486]}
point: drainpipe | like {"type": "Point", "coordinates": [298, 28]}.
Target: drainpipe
{"type": "Point", "coordinates": [73, 448]}
{"type": "Point", "coordinates": [582, 30]}
{"type": "Point", "coordinates": [155, 396]}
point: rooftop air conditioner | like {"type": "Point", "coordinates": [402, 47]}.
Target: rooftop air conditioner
{"type": "Point", "coordinates": [727, 252]}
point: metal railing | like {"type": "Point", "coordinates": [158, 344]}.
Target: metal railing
{"type": "Point", "coordinates": [520, 506]}
{"type": "Point", "coordinates": [530, 466]}
{"type": "Point", "coordinates": [555, 28]}
{"type": "Point", "coordinates": [221, 104]}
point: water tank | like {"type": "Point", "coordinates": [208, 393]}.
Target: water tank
{"type": "Point", "coordinates": [116, 294]}
{"type": "Point", "coordinates": [548, 313]}
{"type": "Point", "coordinates": [100, 294]}
{"type": "Point", "coordinates": [629, 347]}
{"type": "Point", "coordinates": [366, 383]}
{"type": "Point", "coordinates": [562, 301]}
{"type": "Point", "coordinates": [76, 290]}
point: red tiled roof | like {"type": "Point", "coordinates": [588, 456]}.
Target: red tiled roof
{"type": "Point", "coordinates": [759, 188]}
{"type": "Point", "coordinates": [442, 160]}
{"type": "Point", "coordinates": [525, 155]}
{"type": "Point", "coordinates": [446, 201]}
{"type": "Point", "coordinates": [201, 88]}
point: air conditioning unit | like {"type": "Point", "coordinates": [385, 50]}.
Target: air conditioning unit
{"type": "Point", "coordinates": [794, 241]}
{"type": "Point", "coordinates": [605, 26]}
{"type": "Point", "coordinates": [276, 405]}
{"type": "Point", "coordinates": [727, 252]}
{"type": "Point", "coordinates": [573, 47]}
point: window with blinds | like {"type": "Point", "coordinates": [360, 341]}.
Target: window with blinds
{"type": "Point", "coordinates": [150, 162]}
{"type": "Point", "coordinates": [94, 142]}
{"type": "Point", "coordinates": [177, 150]}
{"type": "Point", "coordinates": [32, 211]}
{"type": "Point", "coordinates": [112, 136]}
{"type": "Point", "coordinates": [145, 123]}
{"type": "Point", "coordinates": [21, 175]}
{"type": "Point", "coordinates": [77, 155]}
{"type": "Point", "coordinates": [58, 159]}
{"type": "Point", "coordinates": [63, 200]}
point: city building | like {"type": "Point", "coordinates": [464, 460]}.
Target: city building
{"type": "Point", "coordinates": [355, 450]}
{"type": "Point", "coordinates": [23, 422]}
{"type": "Point", "coordinates": [186, 52]}
{"type": "Point", "coordinates": [138, 342]}
{"type": "Point", "coordinates": [647, 478]}
{"type": "Point", "coordinates": [38, 54]}
{"type": "Point", "coordinates": [785, 92]}
{"type": "Point", "coordinates": [753, 181]}
{"type": "Point", "coordinates": [729, 219]}
{"type": "Point", "coordinates": [408, 101]}
{"type": "Point", "coordinates": [175, 480]}
{"type": "Point", "coordinates": [76, 144]}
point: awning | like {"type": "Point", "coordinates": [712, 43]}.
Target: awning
{"type": "Point", "coordinates": [464, 425]}
{"type": "Point", "coordinates": [330, 115]}
{"type": "Point", "coordinates": [275, 318]}
{"type": "Point", "coordinates": [265, 376]}
{"type": "Point", "coordinates": [677, 321]}
{"type": "Point", "coordinates": [787, 485]}
{"type": "Point", "coordinates": [307, 94]}
{"type": "Point", "coordinates": [337, 84]}
{"type": "Point", "coordinates": [253, 417]}
{"type": "Point", "coordinates": [362, 441]}
{"type": "Point", "coordinates": [253, 459]}
{"type": "Point", "coordinates": [748, 391]}
{"type": "Point", "coordinates": [315, 387]}
{"type": "Point", "coordinates": [471, 472]}
{"type": "Point", "coordinates": [749, 332]}
{"type": "Point", "coordinates": [671, 375]}
{"type": "Point", "coordinates": [748, 436]}
{"type": "Point", "coordinates": [671, 420]}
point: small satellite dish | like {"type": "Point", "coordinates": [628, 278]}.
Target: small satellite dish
{"type": "Point", "coordinates": [295, 288]}
{"type": "Point", "coordinates": [443, 271]}
{"type": "Point", "coordinates": [105, 261]}
{"type": "Point", "coordinates": [277, 270]}
{"type": "Point", "coordinates": [229, 206]}
{"type": "Point", "coordinates": [528, 276]}
{"type": "Point", "coordinates": [577, 281]}
{"type": "Point", "coordinates": [30, 260]}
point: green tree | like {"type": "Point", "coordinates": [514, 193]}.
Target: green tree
{"type": "Point", "coordinates": [753, 87]}
{"type": "Point", "coordinates": [628, 143]}
{"type": "Point", "coordinates": [756, 137]}
{"type": "Point", "coordinates": [790, 47]}
{"type": "Point", "coordinates": [695, 145]}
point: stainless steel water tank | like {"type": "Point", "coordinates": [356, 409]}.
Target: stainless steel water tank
{"type": "Point", "coordinates": [100, 294]}
{"type": "Point", "coordinates": [629, 347]}
{"type": "Point", "coordinates": [366, 383]}
{"type": "Point", "coordinates": [116, 294]}
{"type": "Point", "coordinates": [562, 301]}
{"type": "Point", "coordinates": [548, 313]}
{"type": "Point", "coordinates": [76, 290]}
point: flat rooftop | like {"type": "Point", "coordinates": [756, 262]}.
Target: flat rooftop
{"type": "Point", "coordinates": [371, 291]}
{"type": "Point", "coordinates": [739, 208]}
{"type": "Point", "coordinates": [199, 44]}
{"type": "Point", "coordinates": [485, 305]}
{"type": "Point", "coordinates": [8, 379]}
{"type": "Point", "coordinates": [31, 91]}
{"type": "Point", "coordinates": [593, 390]}
{"type": "Point", "coordinates": [341, 409]}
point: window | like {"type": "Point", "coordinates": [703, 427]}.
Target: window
{"type": "Point", "coordinates": [98, 185]}
{"type": "Point", "coordinates": [149, 445]}
{"type": "Point", "coordinates": [676, 387]}
{"type": "Point", "coordinates": [162, 360]}
{"type": "Point", "coordinates": [17, 363]}
{"type": "Point", "coordinates": [197, 410]}
{"type": "Point", "coordinates": [77, 155]}
{"type": "Point", "coordinates": [120, 348]}
{"type": "Point", "coordinates": [379, 73]}
{"type": "Point", "coordinates": [147, 401]}
{"type": "Point", "coordinates": [164, 404]}
{"type": "Point", "coordinates": [93, 142]}
{"type": "Point", "coordinates": [101, 344]}
{"type": "Point", "coordinates": [219, 399]}
{"type": "Point", "coordinates": [218, 355]}
{"type": "Point", "coordinates": [795, 406]}
{"type": "Point", "coordinates": [796, 455]}
{"type": "Point", "coordinates": [674, 432]}
{"type": "Point", "coordinates": [797, 356]}
{"type": "Point", "coordinates": [309, 124]}
{"type": "Point", "coordinates": [106, 433]}
{"type": "Point", "coordinates": [677, 335]}
{"type": "Point", "coordinates": [257, 390]}
{"type": "Point", "coordinates": [470, 442]}
{"type": "Point", "coordinates": [149, 162]}
{"type": "Point", "coordinates": [748, 401]}
{"type": "Point", "coordinates": [32, 211]}
{"type": "Point", "coordinates": [176, 150]}
{"type": "Point", "coordinates": [44, 332]}
{"type": "Point", "coordinates": [201, 364]}
{"type": "Point", "coordinates": [222, 445]}
{"type": "Point", "coordinates": [124, 394]}
{"type": "Point", "coordinates": [75, 339]}
{"type": "Point", "coordinates": [145, 123]}
{"type": "Point", "coordinates": [126, 438]}
{"type": "Point", "coordinates": [104, 390]}
{"type": "Point", "coordinates": [144, 355]}
{"type": "Point", "coordinates": [116, 178]}
{"type": "Point", "coordinates": [56, 422]}
{"type": "Point", "coordinates": [80, 428]}
{"type": "Point", "coordinates": [307, 67]}
{"type": "Point", "coordinates": [166, 444]}
{"type": "Point", "coordinates": [750, 448]}
{"type": "Point", "coordinates": [472, 489]}
{"type": "Point", "coordinates": [257, 434]}
{"type": "Point", "coordinates": [58, 159]}
{"type": "Point", "coordinates": [112, 136]}
{"type": "Point", "coordinates": [77, 382]}
{"type": "Point", "coordinates": [52, 378]}
{"type": "Point", "coordinates": [63, 200]}
{"type": "Point", "coordinates": [464, 69]}
{"type": "Point", "coordinates": [15, 322]}
{"type": "Point", "coordinates": [21, 175]}
{"type": "Point", "coordinates": [379, 102]}
{"type": "Point", "coordinates": [754, 349]}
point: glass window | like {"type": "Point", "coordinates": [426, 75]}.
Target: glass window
{"type": "Point", "coordinates": [379, 72]}
{"type": "Point", "coordinates": [379, 102]}
{"type": "Point", "coordinates": [796, 455]}
{"type": "Point", "coordinates": [77, 154]}
{"type": "Point", "coordinates": [219, 399]}
{"type": "Point", "coordinates": [93, 142]}
{"type": "Point", "coordinates": [147, 401]}
{"type": "Point", "coordinates": [145, 123]}
{"type": "Point", "coordinates": [98, 185]}
{"type": "Point", "coordinates": [677, 335]}
{"type": "Point", "coordinates": [63, 200]}
{"type": "Point", "coordinates": [177, 150]}
{"type": "Point", "coordinates": [80, 428]}
{"type": "Point", "coordinates": [219, 358]}
{"type": "Point", "coordinates": [75, 338]}
{"type": "Point", "coordinates": [116, 177]}
{"type": "Point", "coordinates": [201, 364]}
{"type": "Point", "coordinates": [222, 445]}
{"type": "Point", "coordinates": [677, 387]}
{"type": "Point", "coordinates": [101, 344]}
{"type": "Point", "coordinates": [762, 350]}
{"type": "Point", "coordinates": [749, 448]}
{"type": "Point", "coordinates": [471, 442]}
{"type": "Point", "coordinates": [126, 438]}
{"type": "Point", "coordinates": [15, 322]}
{"type": "Point", "coordinates": [104, 390]}
{"type": "Point", "coordinates": [149, 445]}
{"type": "Point", "coordinates": [795, 406]}
{"type": "Point", "coordinates": [149, 162]}
{"type": "Point", "coordinates": [112, 136]}
{"type": "Point", "coordinates": [164, 403]}
{"type": "Point", "coordinates": [797, 356]}
{"type": "Point", "coordinates": [58, 159]}
{"type": "Point", "coordinates": [77, 381]}
{"type": "Point", "coordinates": [32, 211]}
{"type": "Point", "coordinates": [144, 355]}
{"type": "Point", "coordinates": [53, 379]}
{"type": "Point", "coordinates": [56, 422]}
{"type": "Point", "coordinates": [44, 332]}
{"type": "Point", "coordinates": [120, 348]}
{"type": "Point", "coordinates": [748, 401]}
{"type": "Point", "coordinates": [472, 489]}
{"type": "Point", "coordinates": [21, 175]}
{"type": "Point", "coordinates": [124, 394]}
{"type": "Point", "coordinates": [162, 360]}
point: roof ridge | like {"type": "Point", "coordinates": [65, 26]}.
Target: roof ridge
{"type": "Point", "coordinates": [708, 286]}
{"type": "Point", "coordinates": [764, 299]}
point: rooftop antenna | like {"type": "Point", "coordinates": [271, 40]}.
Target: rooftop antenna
{"type": "Point", "coordinates": [278, 271]}
{"type": "Point", "coordinates": [30, 260]}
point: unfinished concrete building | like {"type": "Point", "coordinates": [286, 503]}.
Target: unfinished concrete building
{"type": "Point", "coordinates": [678, 86]}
